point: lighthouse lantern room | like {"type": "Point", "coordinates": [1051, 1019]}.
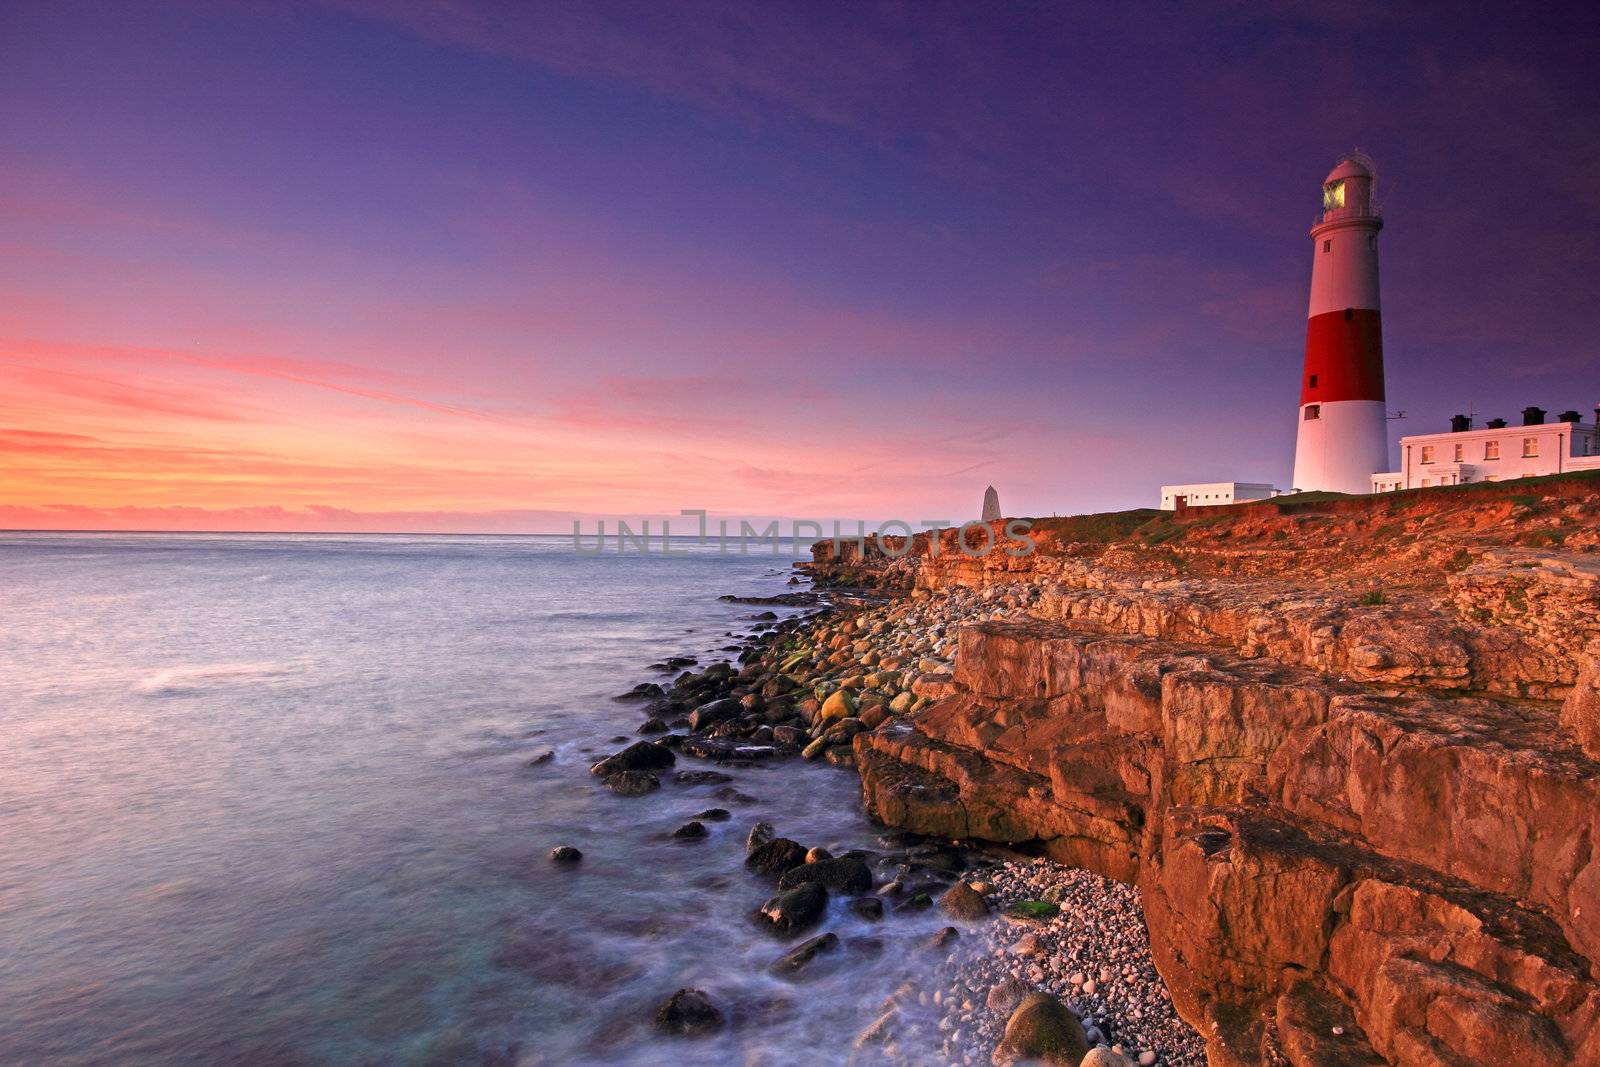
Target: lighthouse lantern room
{"type": "Point", "coordinates": [1343, 436]}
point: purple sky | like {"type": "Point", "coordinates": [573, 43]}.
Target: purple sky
{"type": "Point", "coordinates": [809, 259]}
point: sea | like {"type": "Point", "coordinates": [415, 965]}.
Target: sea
{"type": "Point", "coordinates": [272, 799]}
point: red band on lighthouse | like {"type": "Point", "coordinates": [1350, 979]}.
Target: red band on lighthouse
{"type": "Point", "coordinates": [1344, 357]}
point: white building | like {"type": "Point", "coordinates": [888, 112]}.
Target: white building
{"type": "Point", "coordinates": [1206, 494]}
{"type": "Point", "coordinates": [1495, 453]}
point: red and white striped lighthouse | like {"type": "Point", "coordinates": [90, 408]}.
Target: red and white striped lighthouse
{"type": "Point", "coordinates": [1343, 437]}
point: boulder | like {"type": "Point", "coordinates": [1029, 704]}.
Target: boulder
{"type": "Point", "coordinates": [726, 749]}
{"type": "Point", "coordinates": [639, 756]}
{"type": "Point", "coordinates": [868, 908]}
{"type": "Point", "coordinates": [632, 783]}
{"type": "Point", "coordinates": [915, 902]}
{"type": "Point", "coordinates": [565, 854]}
{"type": "Point", "coordinates": [709, 714]}
{"type": "Point", "coordinates": [795, 961]}
{"type": "Point", "coordinates": [1042, 1030]}
{"type": "Point", "coordinates": [845, 874]}
{"type": "Point", "coordinates": [788, 736]}
{"type": "Point", "coordinates": [689, 1013]}
{"type": "Point", "coordinates": [795, 910]}
{"type": "Point", "coordinates": [840, 704]}
{"type": "Point", "coordinates": [776, 856]}
{"type": "Point", "coordinates": [963, 902]}
{"type": "Point", "coordinates": [1006, 994]}
{"type": "Point", "coordinates": [1100, 1056]}
{"type": "Point", "coordinates": [877, 1034]}
{"type": "Point", "coordinates": [760, 834]}
{"type": "Point", "coordinates": [873, 717]}
{"type": "Point", "coordinates": [715, 815]}
{"type": "Point", "coordinates": [701, 777]}
{"type": "Point", "coordinates": [691, 830]}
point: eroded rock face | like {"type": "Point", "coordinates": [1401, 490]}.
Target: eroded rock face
{"type": "Point", "coordinates": [1412, 866]}
{"type": "Point", "coordinates": [1580, 713]}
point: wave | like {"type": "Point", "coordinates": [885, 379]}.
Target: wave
{"type": "Point", "coordinates": [181, 681]}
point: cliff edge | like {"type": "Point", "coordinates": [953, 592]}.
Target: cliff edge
{"type": "Point", "coordinates": [1345, 747]}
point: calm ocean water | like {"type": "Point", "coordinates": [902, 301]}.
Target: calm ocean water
{"type": "Point", "coordinates": [266, 799]}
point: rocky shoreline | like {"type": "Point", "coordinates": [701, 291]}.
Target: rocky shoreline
{"type": "Point", "coordinates": [1332, 765]}
{"type": "Point", "coordinates": [804, 688]}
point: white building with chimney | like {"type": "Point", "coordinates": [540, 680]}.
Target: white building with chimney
{"type": "Point", "coordinates": [1496, 452]}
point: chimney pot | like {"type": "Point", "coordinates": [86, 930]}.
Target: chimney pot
{"type": "Point", "coordinates": [1460, 424]}
{"type": "Point", "coordinates": [1572, 417]}
{"type": "Point", "coordinates": [1533, 416]}
{"type": "Point", "coordinates": [1496, 424]}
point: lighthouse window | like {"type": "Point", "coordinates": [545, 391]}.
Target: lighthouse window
{"type": "Point", "coordinates": [1530, 447]}
{"type": "Point", "coordinates": [1327, 246]}
{"type": "Point", "coordinates": [1427, 453]}
{"type": "Point", "coordinates": [1313, 381]}
{"type": "Point", "coordinates": [1332, 196]}
{"type": "Point", "coordinates": [1313, 411]}
{"type": "Point", "coordinates": [1491, 450]}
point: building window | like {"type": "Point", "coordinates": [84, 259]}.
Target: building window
{"type": "Point", "coordinates": [1313, 411]}
{"type": "Point", "coordinates": [1530, 447]}
{"type": "Point", "coordinates": [1313, 381]}
{"type": "Point", "coordinates": [1426, 482]}
{"type": "Point", "coordinates": [1427, 453]}
{"type": "Point", "coordinates": [1491, 450]}
{"type": "Point", "coordinates": [1460, 452]}
{"type": "Point", "coordinates": [1327, 246]}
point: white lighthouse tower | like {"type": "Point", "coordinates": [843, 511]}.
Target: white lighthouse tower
{"type": "Point", "coordinates": [1343, 438]}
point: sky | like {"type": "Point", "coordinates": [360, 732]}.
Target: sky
{"type": "Point", "coordinates": [465, 266]}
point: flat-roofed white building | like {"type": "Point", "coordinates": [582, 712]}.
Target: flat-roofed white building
{"type": "Point", "coordinates": [1205, 494]}
{"type": "Point", "coordinates": [1496, 452]}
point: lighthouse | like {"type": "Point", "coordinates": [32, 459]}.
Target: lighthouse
{"type": "Point", "coordinates": [1343, 435]}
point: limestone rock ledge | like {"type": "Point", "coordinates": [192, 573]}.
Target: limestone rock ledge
{"type": "Point", "coordinates": [1334, 871]}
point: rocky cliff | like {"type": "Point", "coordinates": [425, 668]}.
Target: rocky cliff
{"type": "Point", "coordinates": [1345, 748]}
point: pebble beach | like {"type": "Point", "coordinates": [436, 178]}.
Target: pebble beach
{"type": "Point", "coordinates": [1026, 960]}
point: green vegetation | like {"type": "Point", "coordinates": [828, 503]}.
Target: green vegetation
{"type": "Point", "coordinates": [1100, 528]}
{"type": "Point", "coordinates": [1374, 598]}
{"type": "Point", "coordinates": [1160, 534]}
{"type": "Point", "coordinates": [1037, 910]}
{"type": "Point", "coordinates": [1460, 561]}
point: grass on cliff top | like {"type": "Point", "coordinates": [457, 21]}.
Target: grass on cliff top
{"type": "Point", "coordinates": [1151, 527]}
{"type": "Point", "coordinates": [1516, 490]}
{"type": "Point", "coordinates": [1101, 528]}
